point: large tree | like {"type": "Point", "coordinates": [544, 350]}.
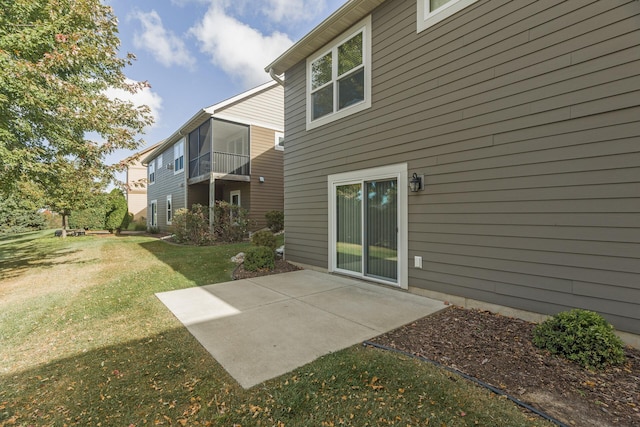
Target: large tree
{"type": "Point", "coordinates": [57, 60]}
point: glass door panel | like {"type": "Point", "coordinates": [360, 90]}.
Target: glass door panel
{"type": "Point", "coordinates": [349, 227]}
{"type": "Point", "coordinates": [381, 236]}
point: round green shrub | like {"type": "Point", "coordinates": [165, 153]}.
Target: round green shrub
{"type": "Point", "coordinates": [582, 336]}
{"type": "Point", "coordinates": [275, 220]}
{"type": "Point", "coordinates": [264, 238]}
{"type": "Point", "coordinates": [259, 258]}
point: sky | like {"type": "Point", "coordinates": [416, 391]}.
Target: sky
{"type": "Point", "coordinates": [196, 53]}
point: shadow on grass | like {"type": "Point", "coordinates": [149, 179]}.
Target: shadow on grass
{"type": "Point", "coordinates": [19, 252]}
{"type": "Point", "coordinates": [202, 265]}
{"type": "Point", "coordinates": [157, 379]}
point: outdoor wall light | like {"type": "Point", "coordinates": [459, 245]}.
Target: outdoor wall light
{"type": "Point", "coordinates": [261, 179]}
{"type": "Point", "coordinates": [416, 183]}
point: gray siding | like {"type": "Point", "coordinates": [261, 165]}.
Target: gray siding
{"type": "Point", "coordinates": [524, 119]}
{"type": "Point", "coordinates": [264, 109]}
{"type": "Point", "coordinates": [167, 183]}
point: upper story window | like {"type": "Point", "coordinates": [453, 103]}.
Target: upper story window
{"type": "Point", "coordinates": [339, 77]}
{"type": "Point", "coordinates": [152, 172]}
{"type": "Point", "coordinates": [279, 141]}
{"type": "Point", "coordinates": [178, 156]}
{"type": "Point", "coordinates": [430, 12]}
{"type": "Point", "coordinates": [200, 150]}
{"type": "Point", "coordinates": [159, 161]}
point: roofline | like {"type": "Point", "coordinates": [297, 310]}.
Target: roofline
{"type": "Point", "coordinates": [201, 115]}
{"type": "Point", "coordinates": [342, 19]}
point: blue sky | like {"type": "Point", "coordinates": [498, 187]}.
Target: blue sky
{"type": "Point", "coordinates": [195, 53]}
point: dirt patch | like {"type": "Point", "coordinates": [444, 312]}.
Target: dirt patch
{"type": "Point", "coordinates": [282, 266]}
{"type": "Point", "coordinates": [498, 350]}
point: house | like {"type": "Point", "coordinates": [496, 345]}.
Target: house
{"type": "Point", "coordinates": [230, 151]}
{"type": "Point", "coordinates": [136, 187]}
{"type": "Point", "coordinates": [518, 124]}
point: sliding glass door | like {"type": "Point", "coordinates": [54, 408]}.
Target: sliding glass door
{"type": "Point", "coordinates": [366, 228]}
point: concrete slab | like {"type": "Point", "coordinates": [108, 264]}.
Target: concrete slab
{"type": "Point", "coordinates": [258, 329]}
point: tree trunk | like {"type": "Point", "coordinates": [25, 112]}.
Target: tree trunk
{"type": "Point", "coordinates": [64, 224]}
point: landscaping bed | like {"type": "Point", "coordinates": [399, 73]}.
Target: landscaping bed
{"type": "Point", "coordinates": [498, 350]}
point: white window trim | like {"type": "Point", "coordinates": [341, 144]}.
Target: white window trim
{"type": "Point", "coordinates": [365, 27]}
{"type": "Point", "coordinates": [153, 220]}
{"type": "Point", "coordinates": [152, 166]}
{"type": "Point", "coordinates": [235, 193]}
{"type": "Point", "coordinates": [427, 18]}
{"type": "Point", "coordinates": [181, 142]}
{"type": "Point", "coordinates": [169, 203]}
{"type": "Point", "coordinates": [399, 172]}
{"type": "Point", "coordinates": [159, 161]}
{"type": "Point", "coordinates": [277, 137]}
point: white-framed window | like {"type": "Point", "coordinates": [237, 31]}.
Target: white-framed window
{"type": "Point", "coordinates": [339, 77]}
{"type": "Point", "coordinates": [169, 210]}
{"type": "Point", "coordinates": [152, 172]}
{"type": "Point", "coordinates": [153, 216]}
{"type": "Point", "coordinates": [279, 141]}
{"type": "Point", "coordinates": [368, 224]}
{"type": "Point", "coordinates": [178, 156]}
{"type": "Point", "coordinates": [430, 12]}
{"type": "Point", "coordinates": [235, 198]}
{"type": "Point", "coordinates": [159, 160]}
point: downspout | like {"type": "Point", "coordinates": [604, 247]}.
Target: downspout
{"type": "Point", "coordinates": [276, 78]}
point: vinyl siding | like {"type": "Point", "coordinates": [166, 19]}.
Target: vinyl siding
{"type": "Point", "coordinates": [264, 109]}
{"type": "Point", "coordinates": [166, 183]}
{"type": "Point", "coordinates": [524, 119]}
{"type": "Point", "coordinates": [266, 162]}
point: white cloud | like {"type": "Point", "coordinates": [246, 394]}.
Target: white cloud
{"type": "Point", "coordinates": [143, 97]}
{"type": "Point", "coordinates": [166, 47]}
{"type": "Point", "coordinates": [238, 49]}
{"type": "Point", "coordinates": [283, 11]}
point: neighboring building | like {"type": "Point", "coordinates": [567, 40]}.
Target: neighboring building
{"type": "Point", "coordinates": [522, 118]}
{"type": "Point", "coordinates": [136, 189]}
{"type": "Point", "coordinates": [230, 151]}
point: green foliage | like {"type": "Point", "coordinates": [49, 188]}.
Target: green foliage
{"type": "Point", "coordinates": [57, 61]}
{"type": "Point", "coordinates": [275, 220]}
{"type": "Point", "coordinates": [259, 258]}
{"type": "Point", "coordinates": [231, 222]}
{"type": "Point", "coordinates": [117, 216]}
{"type": "Point", "coordinates": [192, 226]}
{"type": "Point", "coordinates": [93, 216]}
{"type": "Point", "coordinates": [154, 230]}
{"type": "Point", "coordinates": [582, 336]}
{"type": "Point", "coordinates": [264, 238]}
{"type": "Point", "coordinates": [17, 216]}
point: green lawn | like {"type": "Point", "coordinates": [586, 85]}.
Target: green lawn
{"type": "Point", "coordinates": [84, 341]}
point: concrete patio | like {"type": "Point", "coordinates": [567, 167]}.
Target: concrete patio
{"type": "Point", "coordinates": [261, 328]}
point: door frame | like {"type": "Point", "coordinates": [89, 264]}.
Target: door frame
{"type": "Point", "coordinates": [398, 172]}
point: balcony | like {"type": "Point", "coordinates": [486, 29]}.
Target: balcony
{"type": "Point", "coordinates": [223, 163]}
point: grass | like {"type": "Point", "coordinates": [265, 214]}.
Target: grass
{"type": "Point", "coordinates": [84, 341]}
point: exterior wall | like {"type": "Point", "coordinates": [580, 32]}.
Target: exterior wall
{"type": "Point", "coordinates": [137, 190]}
{"type": "Point", "coordinates": [166, 183]}
{"type": "Point", "coordinates": [264, 109]}
{"type": "Point", "coordinates": [523, 118]}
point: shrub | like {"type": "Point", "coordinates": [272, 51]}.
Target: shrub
{"type": "Point", "coordinates": [259, 258]}
{"type": "Point", "coordinates": [154, 229]}
{"type": "Point", "coordinates": [264, 238]}
{"type": "Point", "coordinates": [275, 220]}
{"type": "Point", "coordinates": [117, 213]}
{"type": "Point", "coordinates": [582, 336]}
{"type": "Point", "coordinates": [192, 226]}
{"type": "Point", "coordinates": [231, 222]}
{"type": "Point", "coordinates": [16, 217]}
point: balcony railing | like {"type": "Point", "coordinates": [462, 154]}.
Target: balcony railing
{"type": "Point", "coordinates": [225, 163]}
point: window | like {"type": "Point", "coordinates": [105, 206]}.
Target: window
{"type": "Point", "coordinates": [153, 217]}
{"type": "Point", "coordinates": [200, 150]}
{"type": "Point", "coordinates": [152, 172]}
{"type": "Point", "coordinates": [279, 141]}
{"type": "Point", "coordinates": [235, 198]}
{"type": "Point", "coordinates": [169, 210]}
{"type": "Point", "coordinates": [430, 12]}
{"type": "Point", "coordinates": [339, 77]}
{"type": "Point", "coordinates": [159, 160]}
{"type": "Point", "coordinates": [178, 157]}
{"type": "Point", "coordinates": [368, 221]}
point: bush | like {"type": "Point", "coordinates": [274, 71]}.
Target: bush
{"type": "Point", "coordinates": [192, 226]}
{"type": "Point", "coordinates": [231, 222]}
{"type": "Point", "coordinates": [275, 220]}
{"type": "Point", "coordinates": [264, 238]}
{"type": "Point", "coordinates": [154, 230]}
{"type": "Point", "coordinates": [582, 336]}
{"type": "Point", "coordinates": [17, 217]}
{"type": "Point", "coordinates": [259, 258]}
{"type": "Point", "coordinates": [117, 213]}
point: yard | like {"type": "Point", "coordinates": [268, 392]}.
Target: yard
{"type": "Point", "coordinates": [84, 341]}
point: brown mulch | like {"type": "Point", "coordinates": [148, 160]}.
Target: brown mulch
{"type": "Point", "coordinates": [498, 350]}
{"type": "Point", "coordinates": [282, 266]}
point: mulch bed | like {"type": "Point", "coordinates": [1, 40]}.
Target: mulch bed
{"type": "Point", "coordinates": [282, 266]}
{"type": "Point", "coordinates": [498, 350]}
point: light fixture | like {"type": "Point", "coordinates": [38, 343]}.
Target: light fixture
{"type": "Point", "coordinates": [416, 183]}
{"type": "Point", "coordinates": [261, 179]}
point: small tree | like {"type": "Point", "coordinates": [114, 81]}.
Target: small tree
{"type": "Point", "coordinates": [192, 226]}
{"type": "Point", "coordinates": [275, 220]}
{"type": "Point", "coordinates": [231, 222]}
{"type": "Point", "coordinates": [93, 217]}
{"type": "Point", "coordinates": [117, 216]}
